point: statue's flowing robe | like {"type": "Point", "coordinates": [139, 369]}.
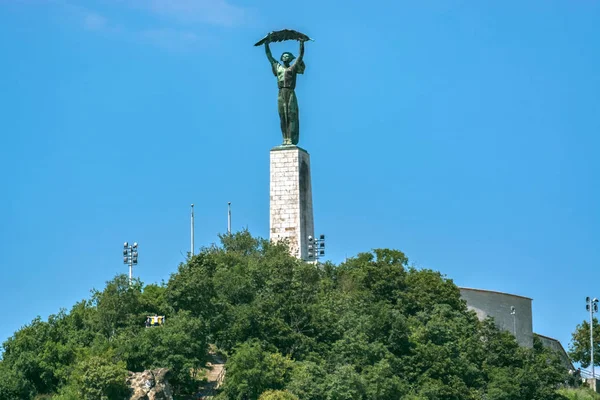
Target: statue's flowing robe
{"type": "Point", "coordinates": [287, 104]}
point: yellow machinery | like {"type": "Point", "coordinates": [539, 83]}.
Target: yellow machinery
{"type": "Point", "coordinates": [155, 320]}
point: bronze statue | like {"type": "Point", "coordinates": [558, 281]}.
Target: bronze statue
{"type": "Point", "coordinates": [287, 104]}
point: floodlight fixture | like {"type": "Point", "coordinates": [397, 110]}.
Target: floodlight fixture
{"type": "Point", "coordinates": [130, 257]}
{"type": "Point", "coordinates": [316, 247]}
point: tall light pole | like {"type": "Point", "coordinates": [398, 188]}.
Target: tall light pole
{"type": "Point", "coordinates": [130, 256]}
{"type": "Point", "coordinates": [592, 306]}
{"type": "Point", "coordinates": [513, 312]}
{"type": "Point", "coordinates": [229, 218]}
{"type": "Point", "coordinates": [192, 231]}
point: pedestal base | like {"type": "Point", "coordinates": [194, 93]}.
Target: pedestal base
{"type": "Point", "coordinates": [291, 199]}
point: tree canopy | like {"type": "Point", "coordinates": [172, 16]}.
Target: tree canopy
{"type": "Point", "coordinates": [579, 349]}
{"type": "Point", "coordinates": [370, 328]}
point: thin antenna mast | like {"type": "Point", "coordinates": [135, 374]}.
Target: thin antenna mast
{"type": "Point", "coordinates": [229, 218]}
{"type": "Point", "coordinates": [192, 229]}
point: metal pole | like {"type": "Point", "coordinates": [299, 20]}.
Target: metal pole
{"type": "Point", "coordinates": [130, 259]}
{"type": "Point", "coordinates": [130, 267]}
{"type": "Point", "coordinates": [192, 233]}
{"type": "Point", "coordinates": [229, 218]}
{"type": "Point", "coordinates": [513, 312]}
{"type": "Point", "coordinates": [592, 336]}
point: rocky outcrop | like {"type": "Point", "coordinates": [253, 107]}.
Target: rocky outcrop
{"type": "Point", "coordinates": [150, 385]}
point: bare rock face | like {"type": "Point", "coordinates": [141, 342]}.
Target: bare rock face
{"type": "Point", "coordinates": [150, 385]}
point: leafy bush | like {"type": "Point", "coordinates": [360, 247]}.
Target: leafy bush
{"type": "Point", "coordinates": [277, 395]}
{"type": "Point", "coordinates": [579, 394]}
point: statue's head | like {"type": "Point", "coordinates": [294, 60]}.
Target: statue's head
{"type": "Point", "coordinates": [287, 57]}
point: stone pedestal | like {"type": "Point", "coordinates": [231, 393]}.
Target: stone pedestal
{"type": "Point", "coordinates": [291, 199]}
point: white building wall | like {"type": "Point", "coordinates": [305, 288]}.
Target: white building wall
{"type": "Point", "coordinates": [498, 305]}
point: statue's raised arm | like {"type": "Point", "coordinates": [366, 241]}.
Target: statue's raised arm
{"type": "Point", "coordinates": [268, 52]}
{"type": "Point", "coordinates": [301, 52]}
{"type": "Point", "coordinates": [299, 65]}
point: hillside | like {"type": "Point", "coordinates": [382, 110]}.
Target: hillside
{"type": "Point", "coordinates": [370, 328]}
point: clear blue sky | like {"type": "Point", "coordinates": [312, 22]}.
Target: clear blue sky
{"type": "Point", "coordinates": [464, 133]}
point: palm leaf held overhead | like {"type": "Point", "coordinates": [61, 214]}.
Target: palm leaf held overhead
{"type": "Point", "coordinates": [280, 36]}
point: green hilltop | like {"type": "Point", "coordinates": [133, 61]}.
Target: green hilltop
{"type": "Point", "coordinates": [370, 328]}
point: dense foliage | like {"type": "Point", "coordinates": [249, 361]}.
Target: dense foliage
{"type": "Point", "coordinates": [579, 394]}
{"type": "Point", "coordinates": [370, 328]}
{"type": "Point", "coordinates": [579, 349]}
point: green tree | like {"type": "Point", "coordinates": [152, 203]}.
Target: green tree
{"type": "Point", "coordinates": [40, 353]}
{"type": "Point", "coordinates": [13, 386]}
{"type": "Point", "coordinates": [100, 378]}
{"type": "Point", "coordinates": [543, 373]}
{"type": "Point", "coordinates": [344, 384]}
{"type": "Point", "coordinates": [579, 394]}
{"type": "Point", "coordinates": [426, 288]}
{"type": "Point", "coordinates": [307, 380]}
{"type": "Point", "coordinates": [579, 348]}
{"type": "Point", "coordinates": [252, 370]}
{"type": "Point", "coordinates": [191, 288]}
{"type": "Point", "coordinates": [381, 382]}
{"type": "Point", "coordinates": [180, 345]}
{"type": "Point", "coordinates": [277, 395]}
{"type": "Point", "coordinates": [153, 299]}
{"type": "Point", "coordinates": [118, 306]}
{"type": "Point", "coordinates": [380, 274]}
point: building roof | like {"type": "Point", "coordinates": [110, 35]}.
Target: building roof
{"type": "Point", "coordinates": [493, 291]}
